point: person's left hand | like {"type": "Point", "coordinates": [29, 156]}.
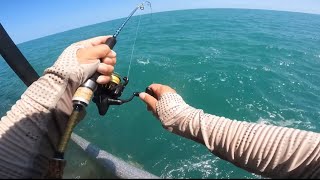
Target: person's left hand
{"type": "Point", "coordinates": [95, 48]}
{"type": "Point", "coordinates": [151, 101]}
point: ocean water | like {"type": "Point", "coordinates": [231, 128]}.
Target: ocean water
{"type": "Point", "coordinates": [251, 65]}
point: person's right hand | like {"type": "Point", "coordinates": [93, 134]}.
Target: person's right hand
{"type": "Point", "coordinates": [96, 49]}
{"type": "Point", "coordinates": [158, 90]}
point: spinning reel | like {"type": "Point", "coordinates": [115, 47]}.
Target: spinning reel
{"type": "Point", "coordinates": [109, 94]}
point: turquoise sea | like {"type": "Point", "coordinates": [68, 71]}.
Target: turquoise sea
{"type": "Point", "coordinates": [251, 65]}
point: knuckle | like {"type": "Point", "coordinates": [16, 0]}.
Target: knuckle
{"type": "Point", "coordinates": [108, 78]}
{"type": "Point", "coordinates": [108, 70]}
{"type": "Point", "coordinates": [106, 49]}
{"type": "Point", "coordinates": [112, 54]}
{"type": "Point", "coordinates": [114, 61]}
{"type": "Point", "coordinates": [111, 68]}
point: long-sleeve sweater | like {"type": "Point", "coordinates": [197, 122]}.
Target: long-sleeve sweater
{"type": "Point", "coordinates": [31, 130]}
{"type": "Point", "coordinates": [270, 151]}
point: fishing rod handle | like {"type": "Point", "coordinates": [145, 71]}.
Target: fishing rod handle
{"type": "Point", "coordinates": [111, 42]}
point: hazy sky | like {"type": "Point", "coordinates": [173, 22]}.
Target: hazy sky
{"type": "Point", "coordinates": [30, 19]}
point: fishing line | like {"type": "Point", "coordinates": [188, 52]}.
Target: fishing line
{"type": "Point", "coordinates": [134, 43]}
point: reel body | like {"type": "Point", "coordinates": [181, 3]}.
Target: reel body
{"type": "Point", "coordinates": [109, 94]}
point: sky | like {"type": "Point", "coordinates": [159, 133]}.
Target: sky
{"type": "Point", "coordinates": [25, 20]}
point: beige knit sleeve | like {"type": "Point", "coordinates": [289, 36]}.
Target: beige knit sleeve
{"type": "Point", "coordinates": [30, 131]}
{"type": "Point", "coordinates": [270, 151]}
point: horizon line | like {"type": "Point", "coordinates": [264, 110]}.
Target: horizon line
{"type": "Point", "coordinates": [231, 8]}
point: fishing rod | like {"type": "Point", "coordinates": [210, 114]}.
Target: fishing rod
{"type": "Point", "coordinates": [15, 59]}
{"type": "Point", "coordinates": [103, 97]}
{"type": "Point", "coordinates": [106, 95]}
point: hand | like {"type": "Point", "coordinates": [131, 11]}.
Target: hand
{"type": "Point", "coordinates": [158, 90]}
{"type": "Point", "coordinates": [95, 48]}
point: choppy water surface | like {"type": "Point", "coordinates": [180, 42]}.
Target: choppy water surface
{"type": "Point", "coordinates": [253, 65]}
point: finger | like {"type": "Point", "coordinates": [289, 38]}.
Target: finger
{"type": "Point", "coordinates": [149, 100]}
{"type": "Point", "coordinates": [92, 53]}
{"type": "Point", "coordinates": [94, 41]}
{"type": "Point", "coordinates": [105, 69]}
{"type": "Point", "coordinates": [110, 61]}
{"type": "Point", "coordinates": [97, 40]}
{"type": "Point", "coordinates": [103, 79]}
{"type": "Point", "coordinates": [159, 89]}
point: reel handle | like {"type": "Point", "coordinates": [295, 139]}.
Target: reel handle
{"type": "Point", "coordinates": [110, 42]}
{"type": "Point", "coordinates": [150, 92]}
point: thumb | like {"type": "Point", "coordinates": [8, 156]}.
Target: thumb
{"type": "Point", "coordinates": [149, 100]}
